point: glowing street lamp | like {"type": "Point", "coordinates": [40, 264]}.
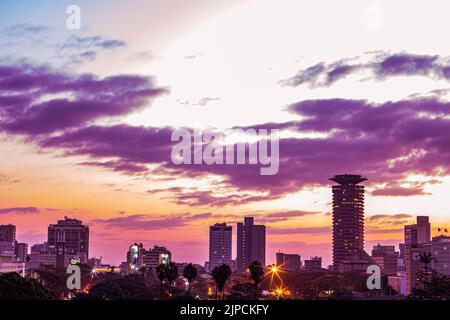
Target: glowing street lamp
{"type": "Point", "coordinates": [274, 273]}
{"type": "Point", "coordinates": [281, 292]}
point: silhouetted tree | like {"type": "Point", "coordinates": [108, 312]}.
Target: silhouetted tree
{"type": "Point", "coordinates": [171, 272]}
{"type": "Point", "coordinates": [426, 259]}
{"type": "Point", "coordinates": [256, 272]}
{"type": "Point", "coordinates": [54, 280]}
{"type": "Point", "coordinates": [244, 291]}
{"type": "Point", "coordinates": [14, 287]}
{"type": "Point", "coordinates": [130, 287]}
{"type": "Point", "coordinates": [161, 273]}
{"type": "Point", "coordinates": [143, 271]}
{"type": "Point", "coordinates": [189, 272]}
{"type": "Point", "coordinates": [433, 286]}
{"type": "Point", "coordinates": [221, 274]}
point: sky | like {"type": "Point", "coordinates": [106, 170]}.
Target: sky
{"type": "Point", "coordinates": [86, 118]}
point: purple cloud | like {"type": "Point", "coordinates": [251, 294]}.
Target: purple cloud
{"type": "Point", "coordinates": [118, 166]}
{"type": "Point", "coordinates": [146, 222]}
{"type": "Point", "coordinates": [300, 230]}
{"type": "Point", "coordinates": [132, 145]}
{"type": "Point", "coordinates": [386, 142]}
{"type": "Point", "coordinates": [388, 217]}
{"type": "Point", "coordinates": [20, 210]}
{"type": "Point", "coordinates": [406, 64]}
{"type": "Point", "coordinates": [383, 66]}
{"type": "Point", "coordinates": [340, 72]}
{"type": "Point", "coordinates": [309, 75]}
{"type": "Point", "coordinates": [206, 198]}
{"type": "Point", "coordinates": [400, 192]}
{"type": "Point", "coordinates": [23, 87]}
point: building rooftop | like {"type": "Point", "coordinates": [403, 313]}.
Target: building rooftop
{"type": "Point", "coordinates": [348, 178]}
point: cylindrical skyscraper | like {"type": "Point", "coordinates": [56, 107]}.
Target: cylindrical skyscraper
{"type": "Point", "coordinates": [348, 217]}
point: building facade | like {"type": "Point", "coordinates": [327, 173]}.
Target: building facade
{"type": "Point", "coordinates": [348, 218]}
{"type": "Point", "coordinates": [386, 258]}
{"type": "Point", "coordinates": [156, 256]}
{"type": "Point", "coordinates": [251, 244]}
{"type": "Point", "coordinates": [220, 239]}
{"type": "Point", "coordinates": [440, 249]}
{"type": "Point", "coordinates": [8, 263]}
{"type": "Point", "coordinates": [313, 264]}
{"type": "Point", "coordinates": [8, 233]}
{"type": "Point", "coordinates": [138, 257]}
{"type": "Point", "coordinates": [417, 241]}
{"type": "Point", "coordinates": [413, 264]}
{"type": "Point", "coordinates": [289, 262]}
{"type": "Point", "coordinates": [21, 251]}
{"type": "Point", "coordinates": [68, 239]}
{"type": "Point", "coordinates": [419, 232]}
{"type": "Point", "coordinates": [135, 257]}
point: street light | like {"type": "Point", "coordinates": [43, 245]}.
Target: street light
{"type": "Point", "coordinates": [274, 272]}
{"type": "Point", "coordinates": [281, 292]}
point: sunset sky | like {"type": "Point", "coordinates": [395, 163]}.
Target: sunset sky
{"type": "Point", "coordinates": [86, 118]}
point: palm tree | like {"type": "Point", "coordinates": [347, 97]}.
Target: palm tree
{"type": "Point", "coordinates": [256, 272]}
{"type": "Point", "coordinates": [221, 274]}
{"type": "Point", "coordinates": [161, 273]}
{"type": "Point", "coordinates": [171, 272]}
{"type": "Point", "coordinates": [189, 272]}
{"type": "Point", "coordinates": [426, 259]}
{"type": "Point", "coordinates": [143, 271]}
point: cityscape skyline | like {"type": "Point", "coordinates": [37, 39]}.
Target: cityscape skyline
{"type": "Point", "coordinates": [220, 232]}
{"type": "Point", "coordinates": [68, 243]}
{"type": "Point", "coordinates": [88, 113]}
{"type": "Point", "coordinates": [327, 258]}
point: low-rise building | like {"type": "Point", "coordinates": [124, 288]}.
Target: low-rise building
{"type": "Point", "coordinates": [313, 264]}
{"type": "Point", "coordinates": [289, 262]}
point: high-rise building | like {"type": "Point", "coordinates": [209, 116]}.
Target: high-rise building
{"type": "Point", "coordinates": [21, 251]}
{"type": "Point", "coordinates": [251, 244]}
{"type": "Point", "coordinates": [440, 249]}
{"type": "Point", "coordinates": [289, 262]}
{"type": "Point", "coordinates": [8, 233]}
{"type": "Point", "coordinates": [417, 241]}
{"type": "Point", "coordinates": [219, 245]}
{"type": "Point", "coordinates": [419, 232]}
{"type": "Point", "coordinates": [68, 239]}
{"type": "Point", "coordinates": [386, 258]}
{"type": "Point", "coordinates": [348, 218]}
{"type": "Point", "coordinates": [313, 264]}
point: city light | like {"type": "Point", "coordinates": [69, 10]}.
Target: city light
{"type": "Point", "coordinates": [93, 272]}
{"type": "Point", "coordinates": [274, 272]}
{"type": "Point", "coordinates": [281, 292]}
